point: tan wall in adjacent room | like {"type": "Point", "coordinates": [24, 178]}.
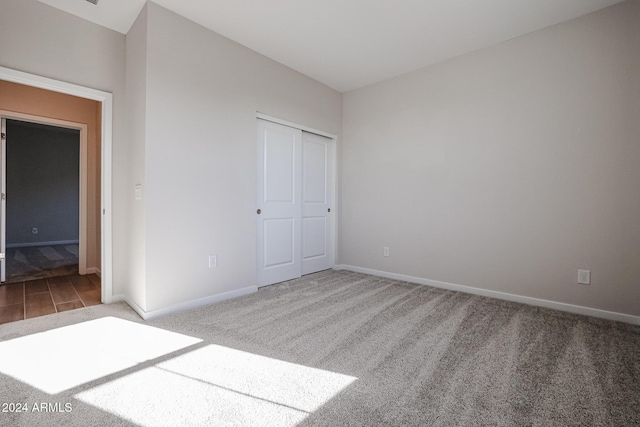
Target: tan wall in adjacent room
{"type": "Point", "coordinates": [43, 103]}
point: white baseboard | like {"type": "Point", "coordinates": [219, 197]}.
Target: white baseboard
{"type": "Point", "coordinates": [94, 270]}
{"type": "Point", "coordinates": [576, 309]}
{"type": "Point", "coordinates": [148, 315]}
{"type": "Point", "coordinates": [130, 303]}
{"type": "Point", "coordinates": [35, 244]}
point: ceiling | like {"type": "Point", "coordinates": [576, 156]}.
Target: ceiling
{"type": "Point", "coordinates": [347, 44]}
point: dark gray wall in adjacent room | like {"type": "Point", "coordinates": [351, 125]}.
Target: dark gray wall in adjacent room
{"type": "Point", "coordinates": [42, 183]}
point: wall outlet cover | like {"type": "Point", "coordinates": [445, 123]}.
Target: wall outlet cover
{"type": "Point", "coordinates": [584, 277]}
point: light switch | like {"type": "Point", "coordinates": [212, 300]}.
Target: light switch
{"type": "Point", "coordinates": [138, 192]}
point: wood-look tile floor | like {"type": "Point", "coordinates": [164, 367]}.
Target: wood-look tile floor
{"type": "Point", "coordinates": [35, 298]}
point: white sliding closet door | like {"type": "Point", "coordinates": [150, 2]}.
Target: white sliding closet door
{"type": "Point", "coordinates": [279, 203]}
{"type": "Point", "coordinates": [294, 227]}
{"type": "Point", "coordinates": [317, 194]}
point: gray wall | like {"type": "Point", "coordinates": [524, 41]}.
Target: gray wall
{"type": "Point", "coordinates": [136, 89]}
{"type": "Point", "coordinates": [200, 152]}
{"type": "Point", "coordinates": [42, 183]}
{"type": "Point", "coordinates": [507, 169]}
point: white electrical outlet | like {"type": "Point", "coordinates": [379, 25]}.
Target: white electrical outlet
{"type": "Point", "coordinates": [584, 277]}
{"type": "Point", "coordinates": [385, 251]}
{"type": "Point", "coordinates": [213, 261]}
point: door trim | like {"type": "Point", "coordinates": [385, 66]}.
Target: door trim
{"type": "Point", "coordinates": [3, 204]}
{"type": "Point", "coordinates": [106, 99]}
{"type": "Point", "coordinates": [262, 116]}
{"type": "Point", "coordinates": [82, 246]}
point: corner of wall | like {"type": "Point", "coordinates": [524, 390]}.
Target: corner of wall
{"type": "Point", "coordinates": [136, 98]}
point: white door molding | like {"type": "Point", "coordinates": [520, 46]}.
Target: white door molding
{"type": "Point", "coordinates": [106, 99]}
{"type": "Point", "coordinates": [3, 204]}
{"type": "Point", "coordinates": [295, 125]}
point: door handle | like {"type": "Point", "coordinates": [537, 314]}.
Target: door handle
{"type": "Point", "coordinates": [258, 211]}
{"type": "Point", "coordinates": [329, 210]}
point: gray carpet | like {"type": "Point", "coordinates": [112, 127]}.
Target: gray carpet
{"type": "Point", "coordinates": [40, 262]}
{"type": "Point", "coordinates": [332, 348]}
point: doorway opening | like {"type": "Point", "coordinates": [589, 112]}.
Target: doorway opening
{"type": "Point", "coordinates": [93, 284]}
{"type": "Point", "coordinates": [44, 232]}
{"type": "Point", "coordinates": [44, 204]}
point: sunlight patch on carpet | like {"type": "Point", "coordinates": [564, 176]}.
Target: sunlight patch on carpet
{"type": "Point", "coordinates": [218, 385]}
{"type": "Point", "coordinates": [85, 352]}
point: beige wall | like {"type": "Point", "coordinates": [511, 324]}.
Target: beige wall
{"type": "Point", "coordinates": [507, 169]}
{"type": "Point", "coordinates": [42, 103]}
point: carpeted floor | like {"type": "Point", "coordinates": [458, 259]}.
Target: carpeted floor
{"type": "Point", "coordinates": [41, 262]}
{"type": "Point", "coordinates": [332, 348]}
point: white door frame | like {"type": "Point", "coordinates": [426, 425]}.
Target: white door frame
{"type": "Point", "coordinates": [334, 201]}
{"type": "Point", "coordinates": [3, 204]}
{"type": "Point", "coordinates": [106, 99]}
{"type": "Point", "coordinates": [82, 223]}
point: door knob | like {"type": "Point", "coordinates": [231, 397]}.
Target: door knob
{"type": "Point", "coordinates": [258, 211]}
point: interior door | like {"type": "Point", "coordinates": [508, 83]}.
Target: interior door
{"type": "Point", "coordinates": [279, 210]}
{"type": "Point", "coordinates": [3, 200]}
{"type": "Point", "coordinates": [317, 194]}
